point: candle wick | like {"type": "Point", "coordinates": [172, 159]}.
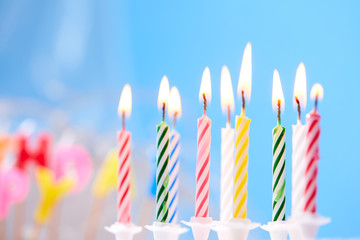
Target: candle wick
{"type": "Point", "coordinates": [298, 108]}
{"type": "Point", "coordinates": [123, 120]}
{"type": "Point", "coordinates": [163, 112]}
{"type": "Point", "coordinates": [228, 121]}
{"type": "Point", "coordinates": [316, 102]}
{"type": "Point", "coordinates": [243, 103]}
{"type": "Point", "coordinates": [279, 111]}
{"type": "Point", "coordinates": [205, 103]}
{"type": "Point", "coordinates": [174, 122]}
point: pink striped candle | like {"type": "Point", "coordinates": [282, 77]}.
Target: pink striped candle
{"type": "Point", "coordinates": [124, 177]}
{"type": "Point", "coordinates": [124, 164]}
{"type": "Point", "coordinates": [203, 152]}
{"type": "Point", "coordinates": [312, 152]}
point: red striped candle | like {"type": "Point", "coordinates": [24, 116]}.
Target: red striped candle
{"type": "Point", "coordinates": [203, 167]}
{"type": "Point", "coordinates": [203, 151]}
{"type": "Point", "coordinates": [124, 177]}
{"type": "Point", "coordinates": [124, 164]}
{"type": "Point", "coordinates": [312, 152]}
{"type": "Point", "coordinates": [312, 157]}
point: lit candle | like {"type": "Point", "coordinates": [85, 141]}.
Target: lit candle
{"type": "Point", "coordinates": [278, 164]}
{"type": "Point", "coordinates": [298, 144]}
{"type": "Point", "coordinates": [312, 151]}
{"type": "Point", "coordinates": [242, 127]}
{"type": "Point", "coordinates": [124, 164]}
{"type": "Point", "coordinates": [203, 151]}
{"type": "Point", "coordinates": [227, 147]}
{"type": "Point", "coordinates": [174, 163]}
{"type": "Point", "coordinates": [162, 156]}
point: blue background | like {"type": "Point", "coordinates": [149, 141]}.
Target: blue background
{"type": "Point", "coordinates": [64, 63]}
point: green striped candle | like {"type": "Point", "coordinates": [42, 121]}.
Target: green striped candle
{"type": "Point", "coordinates": [162, 172]}
{"type": "Point", "coordinates": [278, 147]}
{"type": "Point", "coordinates": [162, 156]}
{"type": "Point", "coordinates": [278, 166]}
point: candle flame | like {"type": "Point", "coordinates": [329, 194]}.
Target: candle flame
{"type": "Point", "coordinates": [125, 102]}
{"type": "Point", "coordinates": [226, 90]}
{"type": "Point", "coordinates": [205, 87]}
{"type": "Point", "coordinates": [317, 91]}
{"type": "Point", "coordinates": [246, 73]}
{"type": "Point", "coordinates": [174, 103]}
{"type": "Point", "coordinates": [163, 96]}
{"type": "Point", "coordinates": [300, 86]}
{"type": "Point", "coordinates": [277, 92]}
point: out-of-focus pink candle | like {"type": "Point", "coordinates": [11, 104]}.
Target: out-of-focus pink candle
{"type": "Point", "coordinates": [203, 151]}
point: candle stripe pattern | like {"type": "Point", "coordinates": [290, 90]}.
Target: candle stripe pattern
{"type": "Point", "coordinates": [312, 157]}
{"type": "Point", "coordinates": [278, 173]}
{"type": "Point", "coordinates": [124, 177]}
{"type": "Point", "coordinates": [298, 168]}
{"type": "Point", "coordinates": [203, 167]}
{"type": "Point", "coordinates": [174, 165]}
{"type": "Point", "coordinates": [162, 172]}
{"type": "Point", "coordinates": [241, 166]}
{"type": "Point", "coordinates": [227, 167]}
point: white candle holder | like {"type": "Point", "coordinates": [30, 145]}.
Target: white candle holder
{"type": "Point", "coordinates": [124, 231]}
{"type": "Point", "coordinates": [235, 229]}
{"type": "Point", "coordinates": [305, 226]}
{"type": "Point", "coordinates": [278, 230]}
{"type": "Point", "coordinates": [200, 227]}
{"type": "Point", "coordinates": [166, 231]}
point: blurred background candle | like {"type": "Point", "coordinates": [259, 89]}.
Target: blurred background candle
{"type": "Point", "coordinates": [242, 127]}
{"type": "Point", "coordinates": [298, 144]}
{"type": "Point", "coordinates": [124, 164]}
{"type": "Point", "coordinates": [227, 147]}
{"type": "Point", "coordinates": [203, 151]}
{"type": "Point", "coordinates": [162, 156]}
{"type": "Point", "coordinates": [278, 165]}
{"type": "Point", "coordinates": [51, 191]}
{"type": "Point", "coordinates": [105, 182]}
{"type": "Point", "coordinates": [174, 162]}
{"type": "Point", "coordinates": [312, 151]}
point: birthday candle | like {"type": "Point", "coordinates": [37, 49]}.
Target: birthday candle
{"type": "Point", "coordinates": [298, 144]}
{"type": "Point", "coordinates": [242, 128]}
{"type": "Point", "coordinates": [312, 151]}
{"type": "Point", "coordinates": [124, 164]}
{"type": "Point", "coordinates": [278, 181]}
{"type": "Point", "coordinates": [174, 163]}
{"type": "Point", "coordinates": [227, 147]}
{"type": "Point", "coordinates": [203, 151]}
{"type": "Point", "coordinates": [162, 157]}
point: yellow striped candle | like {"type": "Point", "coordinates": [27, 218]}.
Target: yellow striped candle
{"type": "Point", "coordinates": [242, 124]}
{"type": "Point", "coordinates": [242, 127]}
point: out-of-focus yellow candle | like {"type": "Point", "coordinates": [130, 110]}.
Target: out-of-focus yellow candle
{"type": "Point", "coordinates": [51, 192]}
{"type": "Point", "coordinates": [106, 179]}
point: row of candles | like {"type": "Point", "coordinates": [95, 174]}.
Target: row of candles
{"type": "Point", "coordinates": [234, 150]}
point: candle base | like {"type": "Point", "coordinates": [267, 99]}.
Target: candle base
{"type": "Point", "coordinates": [123, 231]}
{"type": "Point", "coordinates": [278, 230]}
{"type": "Point", "coordinates": [305, 226]}
{"type": "Point", "coordinates": [200, 227]}
{"type": "Point", "coordinates": [235, 229]}
{"type": "Point", "coordinates": [165, 231]}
